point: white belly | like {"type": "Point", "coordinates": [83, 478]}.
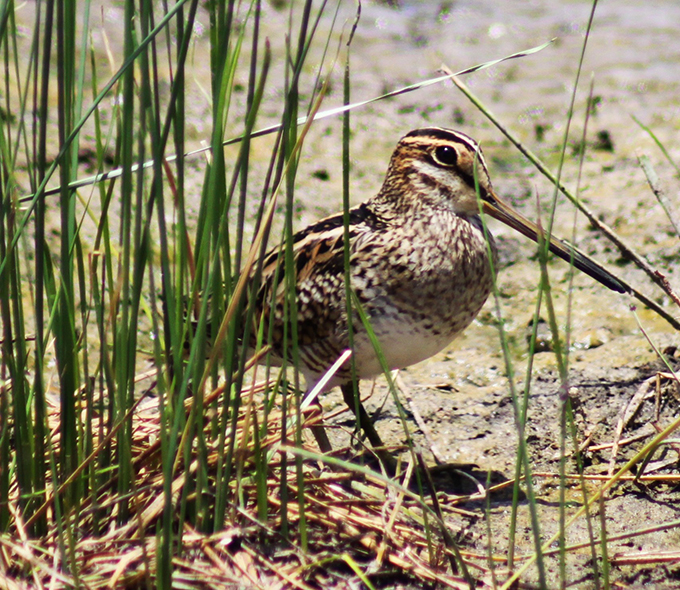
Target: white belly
{"type": "Point", "coordinates": [401, 345]}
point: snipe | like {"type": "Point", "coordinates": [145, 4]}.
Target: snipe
{"type": "Point", "coordinates": [420, 265]}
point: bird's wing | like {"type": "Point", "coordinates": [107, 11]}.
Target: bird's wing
{"type": "Point", "coordinates": [319, 262]}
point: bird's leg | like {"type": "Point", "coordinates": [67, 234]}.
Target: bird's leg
{"type": "Point", "coordinates": [319, 431]}
{"type": "Point", "coordinates": [365, 422]}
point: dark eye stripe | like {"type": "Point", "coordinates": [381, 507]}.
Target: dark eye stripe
{"type": "Point", "coordinates": [416, 137]}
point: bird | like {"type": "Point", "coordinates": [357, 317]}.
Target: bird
{"type": "Point", "coordinates": [421, 266]}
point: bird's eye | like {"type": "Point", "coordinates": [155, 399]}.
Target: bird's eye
{"type": "Point", "coordinates": [445, 155]}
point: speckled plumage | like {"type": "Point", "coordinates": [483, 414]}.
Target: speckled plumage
{"type": "Point", "coordinates": [419, 262]}
{"type": "Point", "coordinates": [418, 265]}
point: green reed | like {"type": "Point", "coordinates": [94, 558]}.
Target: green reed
{"type": "Point", "coordinates": [78, 304]}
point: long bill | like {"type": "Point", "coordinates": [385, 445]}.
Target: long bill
{"type": "Point", "coordinates": [492, 205]}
